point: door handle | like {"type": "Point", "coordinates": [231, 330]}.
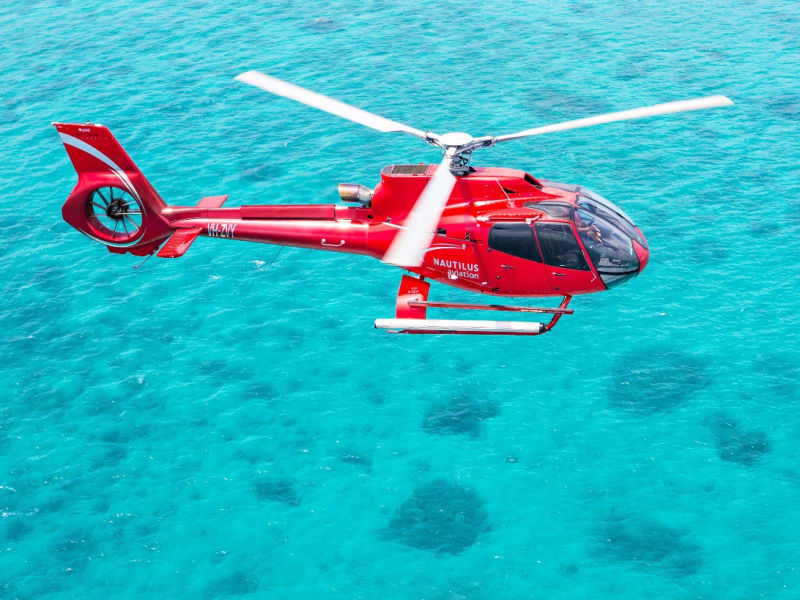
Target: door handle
{"type": "Point", "coordinates": [558, 274]}
{"type": "Point", "coordinates": [507, 267]}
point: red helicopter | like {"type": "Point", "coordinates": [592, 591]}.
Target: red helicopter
{"type": "Point", "coordinates": [494, 231]}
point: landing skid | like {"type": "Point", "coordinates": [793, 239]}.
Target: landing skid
{"type": "Point", "coordinates": [412, 304]}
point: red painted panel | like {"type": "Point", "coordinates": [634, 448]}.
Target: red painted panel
{"type": "Point", "coordinates": [642, 254]}
{"type": "Point", "coordinates": [411, 289]}
{"type": "Point", "coordinates": [518, 276]}
{"type": "Point", "coordinates": [297, 211]}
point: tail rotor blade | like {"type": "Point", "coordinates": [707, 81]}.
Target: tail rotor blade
{"type": "Point", "coordinates": [409, 245]}
{"type": "Point", "coordinates": [624, 115]}
{"type": "Point", "coordinates": [324, 103]}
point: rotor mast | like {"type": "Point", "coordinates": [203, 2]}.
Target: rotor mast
{"type": "Point", "coordinates": [461, 145]}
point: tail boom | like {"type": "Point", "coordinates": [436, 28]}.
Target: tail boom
{"type": "Point", "coordinates": [334, 235]}
{"type": "Point", "coordinates": [115, 204]}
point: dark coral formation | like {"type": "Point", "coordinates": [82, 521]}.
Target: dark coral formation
{"type": "Point", "coordinates": [462, 415]}
{"type": "Point", "coordinates": [782, 373]}
{"type": "Point", "coordinates": [15, 529]}
{"type": "Point", "coordinates": [358, 459]}
{"type": "Point", "coordinates": [735, 444]}
{"type": "Point", "coordinates": [553, 101]}
{"type": "Point", "coordinates": [262, 390]}
{"type": "Point", "coordinates": [569, 568]}
{"type": "Point", "coordinates": [657, 379]}
{"type": "Point", "coordinates": [323, 25]}
{"type": "Point", "coordinates": [262, 172]}
{"type": "Point", "coordinates": [235, 584]}
{"type": "Point", "coordinates": [276, 490]}
{"type": "Point", "coordinates": [707, 250]}
{"type": "Point", "coordinates": [75, 551]}
{"type": "Point", "coordinates": [114, 453]}
{"type": "Point", "coordinates": [439, 516]}
{"type": "Point", "coordinates": [786, 106]}
{"type": "Point", "coordinates": [649, 545]}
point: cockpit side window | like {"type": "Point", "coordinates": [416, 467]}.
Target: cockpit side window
{"type": "Point", "coordinates": [515, 239]}
{"type": "Point", "coordinates": [559, 246]}
{"type": "Point", "coordinates": [554, 210]}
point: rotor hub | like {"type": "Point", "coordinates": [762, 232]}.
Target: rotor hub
{"type": "Point", "coordinates": [116, 209]}
{"type": "Point", "coordinates": [455, 138]}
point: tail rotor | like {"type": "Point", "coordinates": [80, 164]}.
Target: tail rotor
{"type": "Point", "coordinates": [115, 214]}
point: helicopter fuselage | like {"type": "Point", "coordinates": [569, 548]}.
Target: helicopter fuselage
{"type": "Point", "coordinates": [502, 232]}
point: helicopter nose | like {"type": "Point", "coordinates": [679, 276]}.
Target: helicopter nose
{"type": "Point", "coordinates": [642, 253]}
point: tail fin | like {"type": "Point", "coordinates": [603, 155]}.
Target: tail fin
{"type": "Point", "coordinates": [113, 202]}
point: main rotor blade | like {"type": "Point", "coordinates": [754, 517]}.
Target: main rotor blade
{"type": "Point", "coordinates": [624, 115]}
{"type": "Point", "coordinates": [409, 245]}
{"type": "Point", "coordinates": [329, 105]}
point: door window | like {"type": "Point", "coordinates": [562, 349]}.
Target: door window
{"type": "Point", "coordinates": [559, 246]}
{"type": "Point", "coordinates": [515, 239]}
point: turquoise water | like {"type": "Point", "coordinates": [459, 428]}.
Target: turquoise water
{"type": "Point", "coordinates": [210, 427]}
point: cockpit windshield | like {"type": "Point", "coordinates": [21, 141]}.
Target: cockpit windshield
{"type": "Point", "coordinates": [599, 211]}
{"type": "Point", "coordinates": [606, 202]}
{"type": "Point", "coordinates": [608, 234]}
{"type": "Point", "coordinates": [597, 205]}
{"type": "Point", "coordinates": [609, 248]}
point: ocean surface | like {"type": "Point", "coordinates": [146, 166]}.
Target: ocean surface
{"type": "Point", "coordinates": [229, 424]}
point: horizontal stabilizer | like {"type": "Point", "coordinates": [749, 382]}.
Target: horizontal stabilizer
{"type": "Point", "coordinates": [212, 201]}
{"type": "Point", "coordinates": [180, 242]}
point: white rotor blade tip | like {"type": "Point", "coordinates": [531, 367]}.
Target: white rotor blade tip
{"type": "Point", "coordinates": [624, 115]}
{"type": "Point", "coordinates": [324, 103]}
{"type": "Point", "coordinates": [409, 245]}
